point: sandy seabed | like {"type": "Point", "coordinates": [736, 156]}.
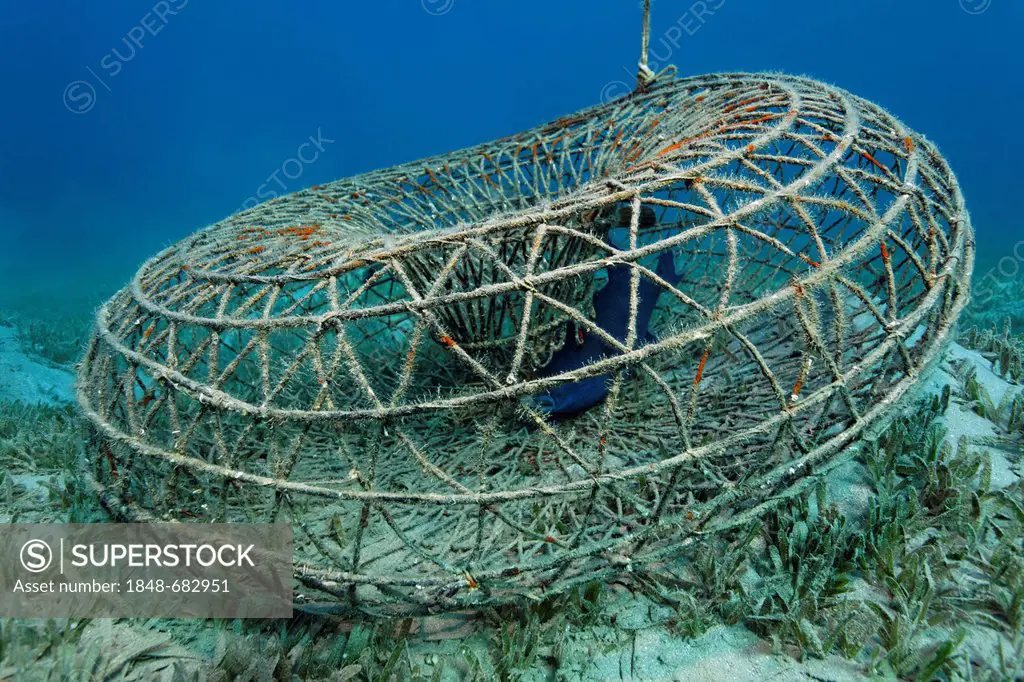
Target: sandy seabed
{"type": "Point", "coordinates": [640, 646]}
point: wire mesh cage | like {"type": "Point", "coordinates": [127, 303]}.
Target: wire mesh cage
{"type": "Point", "coordinates": [498, 373]}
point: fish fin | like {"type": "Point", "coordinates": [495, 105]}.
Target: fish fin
{"type": "Point", "coordinates": [647, 217]}
{"type": "Point", "coordinates": [610, 237]}
{"type": "Point", "coordinates": [667, 267]}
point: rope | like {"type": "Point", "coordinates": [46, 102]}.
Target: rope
{"type": "Point", "coordinates": [645, 76]}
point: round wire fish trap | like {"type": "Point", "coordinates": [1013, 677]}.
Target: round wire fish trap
{"type": "Point", "coordinates": [502, 372]}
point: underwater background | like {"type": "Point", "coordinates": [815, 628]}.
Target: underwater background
{"type": "Point", "coordinates": [129, 125]}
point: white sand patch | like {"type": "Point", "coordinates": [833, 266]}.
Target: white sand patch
{"type": "Point", "coordinates": [25, 380]}
{"type": "Point", "coordinates": [722, 654]}
{"type": "Point", "coordinates": [961, 420]}
{"type": "Point", "coordinates": [849, 487]}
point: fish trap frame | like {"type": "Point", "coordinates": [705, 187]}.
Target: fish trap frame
{"type": "Point", "coordinates": [356, 359]}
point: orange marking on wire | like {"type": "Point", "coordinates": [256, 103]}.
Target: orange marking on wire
{"type": "Point", "coordinates": [761, 119]}
{"type": "Point", "coordinates": [551, 149]}
{"type": "Point", "coordinates": [873, 160]}
{"type": "Point", "coordinates": [111, 462]}
{"type": "Point", "coordinates": [672, 148]}
{"type": "Point", "coordinates": [809, 261]}
{"type": "Point", "coordinates": [700, 367]}
{"type": "Point", "coordinates": [572, 120]}
{"type": "Point", "coordinates": [421, 189]}
{"type": "Point", "coordinates": [796, 388]}
{"type": "Point", "coordinates": [751, 122]}
{"type": "Point", "coordinates": [638, 166]}
{"type": "Point", "coordinates": [432, 177]}
{"type": "Point", "coordinates": [300, 230]}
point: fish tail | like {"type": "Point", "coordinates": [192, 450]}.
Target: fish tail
{"type": "Point", "coordinates": [667, 267]}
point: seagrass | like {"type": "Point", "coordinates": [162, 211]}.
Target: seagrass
{"type": "Point", "coordinates": [357, 359]}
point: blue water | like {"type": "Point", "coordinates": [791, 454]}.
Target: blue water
{"type": "Point", "coordinates": [112, 149]}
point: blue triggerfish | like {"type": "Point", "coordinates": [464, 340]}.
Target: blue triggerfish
{"type": "Point", "coordinates": [611, 306]}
